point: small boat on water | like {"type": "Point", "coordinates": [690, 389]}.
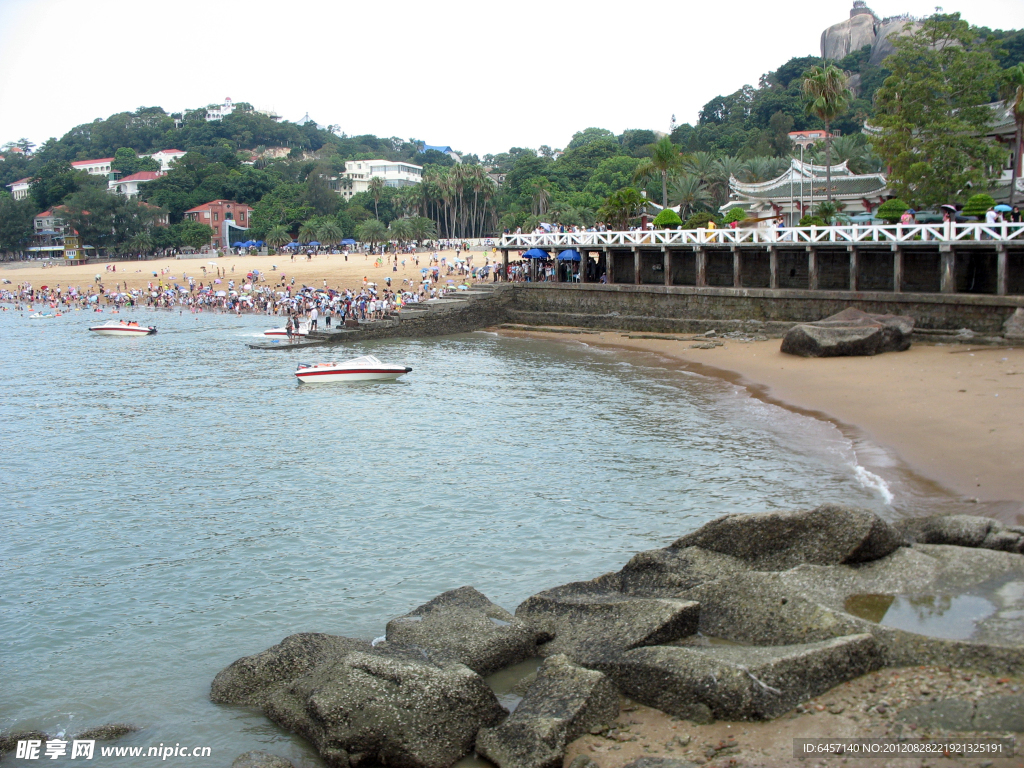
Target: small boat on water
{"type": "Point", "coordinates": [123, 328]}
{"type": "Point", "coordinates": [42, 316]}
{"type": "Point", "coordinates": [302, 330]}
{"type": "Point", "coordinates": [367, 368]}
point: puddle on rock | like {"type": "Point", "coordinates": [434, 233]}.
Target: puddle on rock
{"type": "Point", "coordinates": [950, 617]}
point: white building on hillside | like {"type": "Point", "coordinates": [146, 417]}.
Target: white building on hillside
{"type": "Point", "coordinates": [218, 111]}
{"type": "Point", "coordinates": [99, 167]}
{"type": "Point", "coordinates": [19, 189]}
{"type": "Point", "coordinates": [165, 156]}
{"type": "Point", "coordinates": [394, 173]}
{"type": "Point", "coordinates": [129, 185]}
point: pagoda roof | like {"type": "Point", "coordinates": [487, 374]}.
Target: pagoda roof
{"type": "Point", "coordinates": [845, 183]}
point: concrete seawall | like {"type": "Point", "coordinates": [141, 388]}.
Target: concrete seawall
{"type": "Point", "coordinates": [673, 309]}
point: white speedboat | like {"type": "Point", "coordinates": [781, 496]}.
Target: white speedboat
{"type": "Point", "coordinates": [41, 316]}
{"type": "Point", "coordinates": [123, 328]}
{"type": "Point", "coordinates": [302, 330]}
{"type": "Point", "coordinates": [367, 368]}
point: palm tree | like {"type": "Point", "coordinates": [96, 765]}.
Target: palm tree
{"type": "Point", "coordinates": [141, 243]}
{"type": "Point", "coordinates": [541, 188]}
{"type": "Point", "coordinates": [689, 193]}
{"type": "Point", "coordinates": [726, 168]}
{"type": "Point", "coordinates": [423, 229]}
{"type": "Point", "coordinates": [664, 159]}
{"type": "Point", "coordinates": [703, 165]}
{"type": "Point", "coordinates": [1012, 91]}
{"type": "Point", "coordinates": [401, 230]}
{"type": "Point", "coordinates": [307, 232]}
{"type": "Point", "coordinates": [278, 236]}
{"type": "Point", "coordinates": [376, 189]}
{"type": "Point", "coordinates": [828, 96]}
{"type": "Point", "coordinates": [328, 232]}
{"type": "Point", "coordinates": [622, 206]}
{"type": "Point", "coordinates": [372, 232]}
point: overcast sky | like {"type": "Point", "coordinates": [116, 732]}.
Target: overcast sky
{"type": "Point", "coordinates": [481, 77]}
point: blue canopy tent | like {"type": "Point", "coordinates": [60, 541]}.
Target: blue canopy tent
{"type": "Point", "coordinates": [314, 242]}
{"type": "Point", "coordinates": [293, 244]}
{"type": "Point", "coordinates": [569, 255]}
{"type": "Point", "coordinates": [536, 253]}
{"type": "Point", "coordinates": [348, 241]}
{"type": "Point", "coordinates": [248, 243]}
{"type": "Point", "coordinates": [237, 244]}
{"type": "Point", "coordinates": [259, 243]}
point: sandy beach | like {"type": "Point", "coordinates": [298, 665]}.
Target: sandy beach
{"type": "Point", "coordinates": [953, 413]}
{"type": "Point", "coordinates": [334, 268]}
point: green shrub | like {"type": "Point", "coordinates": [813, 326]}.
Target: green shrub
{"type": "Point", "coordinates": [978, 204]}
{"type": "Point", "coordinates": [891, 210]}
{"type": "Point", "coordinates": [667, 219]}
{"type": "Point", "coordinates": [700, 220]}
{"type": "Point", "coordinates": [735, 214]}
{"type": "Point", "coordinates": [812, 221]}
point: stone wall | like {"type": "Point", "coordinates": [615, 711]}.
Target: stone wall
{"type": "Point", "coordinates": [686, 309]}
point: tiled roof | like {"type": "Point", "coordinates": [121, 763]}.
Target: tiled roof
{"type": "Point", "coordinates": [204, 206]}
{"type": "Point", "coordinates": [93, 162]}
{"type": "Point", "coordinates": [20, 181]}
{"type": "Point", "coordinates": [141, 176]}
{"type": "Point", "coordinates": [844, 183]}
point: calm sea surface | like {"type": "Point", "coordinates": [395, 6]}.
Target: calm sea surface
{"type": "Point", "coordinates": [171, 503]}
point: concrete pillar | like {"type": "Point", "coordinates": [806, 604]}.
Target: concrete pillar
{"type": "Point", "coordinates": [773, 268]}
{"type": "Point", "coordinates": [504, 266]}
{"type": "Point", "coordinates": [897, 269]}
{"type": "Point", "coordinates": [812, 268]}
{"type": "Point", "coordinates": [636, 265]}
{"type": "Point", "coordinates": [584, 263]}
{"type": "Point", "coordinates": [853, 267]}
{"type": "Point", "coordinates": [609, 263]}
{"type": "Point", "coordinates": [701, 255]}
{"type": "Point", "coordinates": [1001, 270]}
{"type": "Point", "coordinates": [947, 269]}
{"type": "Point", "coordinates": [737, 268]}
{"type": "Point", "coordinates": [666, 265]}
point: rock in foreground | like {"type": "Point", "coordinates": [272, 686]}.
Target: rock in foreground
{"type": "Point", "coordinates": [563, 703]}
{"type": "Point", "coordinates": [849, 333]}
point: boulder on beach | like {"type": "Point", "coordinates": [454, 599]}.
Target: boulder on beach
{"type": "Point", "coordinates": [257, 759]}
{"type": "Point", "coordinates": [361, 705]}
{"type": "Point", "coordinates": [850, 332]}
{"type": "Point", "coordinates": [563, 703]}
{"type": "Point", "coordinates": [586, 619]}
{"type": "Point", "coordinates": [483, 636]}
{"type": "Point", "coordinates": [248, 680]}
{"type": "Point", "coordinates": [964, 531]}
{"type": "Point", "coordinates": [740, 682]}
{"type": "Point", "coordinates": [775, 541]}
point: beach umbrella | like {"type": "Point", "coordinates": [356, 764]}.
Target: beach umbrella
{"type": "Point", "coordinates": [212, 263]}
{"type": "Point", "coordinates": [217, 281]}
{"type": "Point", "coordinates": [569, 254]}
{"type": "Point", "coordinates": [221, 293]}
{"type": "Point", "coordinates": [314, 242]}
{"type": "Point", "coordinates": [1002, 208]}
{"type": "Point", "coordinates": [536, 253]}
{"type": "Point", "coordinates": [949, 207]}
{"type": "Point", "coordinates": [237, 244]}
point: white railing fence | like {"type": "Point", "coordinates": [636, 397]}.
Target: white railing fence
{"type": "Point", "coordinates": [851, 233]}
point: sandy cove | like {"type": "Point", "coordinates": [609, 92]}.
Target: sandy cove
{"type": "Point", "coordinates": [334, 268]}
{"type": "Point", "coordinates": [953, 413]}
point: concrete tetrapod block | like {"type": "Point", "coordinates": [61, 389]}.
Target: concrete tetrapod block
{"type": "Point", "coordinates": [394, 705]}
{"type": "Point", "coordinates": [584, 620]}
{"type": "Point", "coordinates": [776, 541]}
{"type": "Point", "coordinates": [739, 682]}
{"type": "Point", "coordinates": [463, 622]}
{"type": "Point", "coordinates": [563, 703]}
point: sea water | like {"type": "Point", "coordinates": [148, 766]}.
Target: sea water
{"type": "Point", "coordinates": [173, 502]}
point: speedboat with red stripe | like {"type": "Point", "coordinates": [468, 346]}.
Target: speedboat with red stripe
{"type": "Point", "coordinates": [366, 368]}
{"type": "Point", "coordinates": [123, 328]}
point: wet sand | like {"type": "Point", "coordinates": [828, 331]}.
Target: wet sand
{"type": "Point", "coordinates": [953, 413]}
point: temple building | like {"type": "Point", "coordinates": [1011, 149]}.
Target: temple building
{"type": "Point", "coordinates": [802, 187]}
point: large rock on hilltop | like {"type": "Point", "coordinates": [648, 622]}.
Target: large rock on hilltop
{"type": "Point", "coordinates": [775, 541]}
{"type": "Point", "coordinates": [849, 333]}
{"type": "Point", "coordinates": [563, 703]}
{"type": "Point", "coordinates": [483, 636]}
